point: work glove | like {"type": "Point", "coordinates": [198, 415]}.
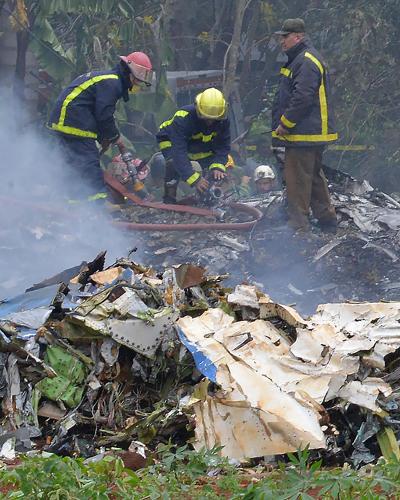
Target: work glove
{"type": "Point", "coordinates": [202, 185]}
{"type": "Point", "coordinates": [218, 175]}
{"type": "Point", "coordinates": [106, 143]}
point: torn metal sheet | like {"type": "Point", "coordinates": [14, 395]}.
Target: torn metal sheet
{"type": "Point", "coordinates": [233, 243]}
{"type": "Point", "coordinates": [365, 393]}
{"type": "Point", "coordinates": [244, 296]}
{"type": "Point", "coordinates": [270, 309]}
{"type": "Point", "coordinates": [141, 336]}
{"type": "Point", "coordinates": [251, 415]}
{"type": "Point", "coordinates": [109, 350]}
{"type": "Point", "coordinates": [107, 276]}
{"type": "Point", "coordinates": [328, 247]}
{"type": "Point", "coordinates": [249, 360]}
{"type": "Point", "coordinates": [30, 309]}
{"type": "Point", "coordinates": [188, 275]}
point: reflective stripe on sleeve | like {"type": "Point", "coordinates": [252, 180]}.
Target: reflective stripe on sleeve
{"type": "Point", "coordinates": [286, 72]}
{"type": "Point", "coordinates": [181, 112]}
{"type": "Point", "coordinates": [286, 122]}
{"type": "Point", "coordinates": [199, 156]}
{"type": "Point", "coordinates": [203, 137]}
{"type": "Point", "coordinates": [219, 166]}
{"type": "Point", "coordinates": [165, 144]}
{"type": "Point", "coordinates": [193, 178]}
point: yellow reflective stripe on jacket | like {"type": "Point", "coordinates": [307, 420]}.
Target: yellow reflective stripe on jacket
{"type": "Point", "coordinates": [286, 122]}
{"type": "Point", "coordinates": [193, 178]}
{"type": "Point", "coordinates": [92, 197]}
{"type": "Point", "coordinates": [70, 97]}
{"type": "Point", "coordinates": [199, 156]}
{"type": "Point", "coordinates": [322, 94]}
{"type": "Point", "coordinates": [165, 144]}
{"type": "Point", "coordinates": [97, 196]}
{"type": "Point", "coordinates": [324, 108]}
{"type": "Point", "coordinates": [306, 138]}
{"type": "Point", "coordinates": [286, 72]}
{"type": "Point", "coordinates": [351, 147]}
{"type": "Point", "coordinates": [220, 166]}
{"type": "Point", "coordinates": [73, 131]}
{"type": "Point", "coordinates": [203, 137]}
{"type": "Point", "coordinates": [315, 61]}
{"type": "Point", "coordinates": [181, 112]}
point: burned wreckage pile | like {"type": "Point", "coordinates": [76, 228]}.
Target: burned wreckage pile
{"type": "Point", "coordinates": [359, 263]}
{"type": "Point", "coordinates": [126, 357]}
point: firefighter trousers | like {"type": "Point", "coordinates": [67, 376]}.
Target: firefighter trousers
{"type": "Point", "coordinates": [307, 188]}
{"type": "Point", "coordinates": [82, 164]}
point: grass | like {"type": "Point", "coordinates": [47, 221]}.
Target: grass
{"type": "Point", "coordinates": [184, 474]}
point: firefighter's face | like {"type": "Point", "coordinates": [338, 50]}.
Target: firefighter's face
{"type": "Point", "coordinates": [264, 185]}
{"type": "Point", "coordinates": [290, 40]}
{"type": "Point", "coordinates": [137, 85]}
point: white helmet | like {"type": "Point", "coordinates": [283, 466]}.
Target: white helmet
{"type": "Point", "coordinates": [263, 172]}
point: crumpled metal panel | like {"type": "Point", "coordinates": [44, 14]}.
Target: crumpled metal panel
{"type": "Point", "coordinates": [272, 385]}
{"type": "Point", "coordinates": [251, 416]}
{"type": "Point", "coordinates": [30, 309]}
{"type": "Point", "coordinates": [139, 335]}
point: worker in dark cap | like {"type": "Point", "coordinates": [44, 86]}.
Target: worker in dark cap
{"type": "Point", "coordinates": [302, 122]}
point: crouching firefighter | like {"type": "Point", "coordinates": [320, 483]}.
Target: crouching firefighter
{"type": "Point", "coordinates": [84, 114]}
{"type": "Point", "coordinates": [198, 132]}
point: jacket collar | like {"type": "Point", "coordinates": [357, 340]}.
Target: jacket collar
{"type": "Point", "coordinates": [125, 80]}
{"type": "Point", "coordinates": [293, 52]}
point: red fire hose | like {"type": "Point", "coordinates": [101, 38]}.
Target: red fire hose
{"type": "Point", "coordinates": [214, 226]}
{"type": "Point", "coordinates": [133, 226]}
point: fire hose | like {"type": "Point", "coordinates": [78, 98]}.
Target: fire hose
{"type": "Point", "coordinates": [214, 226]}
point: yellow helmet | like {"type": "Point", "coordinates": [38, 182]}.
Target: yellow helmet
{"type": "Point", "coordinates": [211, 104]}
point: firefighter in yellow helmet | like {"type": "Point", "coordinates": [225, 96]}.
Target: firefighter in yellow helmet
{"type": "Point", "coordinates": [198, 132]}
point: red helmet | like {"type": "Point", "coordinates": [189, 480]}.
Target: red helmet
{"type": "Point", "coordinates": [140, 66]}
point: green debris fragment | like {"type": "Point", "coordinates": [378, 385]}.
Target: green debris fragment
{"type": "Point", "coordinates": [388, 444]}
{"type": "Point", "coordinates": [67, 386]}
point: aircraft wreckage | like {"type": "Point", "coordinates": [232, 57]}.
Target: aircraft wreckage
{"type": "Point", "coordinates": [128, 355]}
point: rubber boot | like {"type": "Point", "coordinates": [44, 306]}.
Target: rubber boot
{"type": "Point", "coordinates": [170, 189]}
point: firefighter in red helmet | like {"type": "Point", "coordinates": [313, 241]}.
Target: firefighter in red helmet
{"type": "Point", "coordinates": [84, 114]}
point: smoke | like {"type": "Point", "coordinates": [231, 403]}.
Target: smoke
{"type": "Point", "coordinates": [41, 231]}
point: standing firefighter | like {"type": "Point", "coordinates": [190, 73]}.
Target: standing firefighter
{"type": "Point", "coordinates": [302, 121]}
{"type": "Point", "coordinates": [198, 132]}
{"type": "Point", "coordinates": [84, 113]}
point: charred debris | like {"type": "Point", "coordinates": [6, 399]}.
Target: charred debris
{"type": "Point", "coordinates": [115, 359]}
{"type": "Point", "coordinates": [124, 358]}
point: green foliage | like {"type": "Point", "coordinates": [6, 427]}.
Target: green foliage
{"type": "Point", "coordinates": [359, 41]}
{"type": "Point", "coordinates": [302, 480]}
{"type": "Point", "coordinates": [180, 473]}
{"type": "Point", "coordinates": [67, 478]}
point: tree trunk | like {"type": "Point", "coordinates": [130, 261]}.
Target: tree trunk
{"type": "Point", "coordinates": [20, 64]}
{"type": "Point", "coordinates": [23, 37]}
{"type": "Point", "coordinates": [251, 34]}
{"type": "Point", "coordinates": [178, 27]}
{"type": "Point", "coordinates": [220, 32]}
{"type": "Point", "coordinates": [232, 53]}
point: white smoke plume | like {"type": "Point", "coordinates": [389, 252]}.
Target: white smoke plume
{"type": "Point", "coordinates": [41, 232]}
